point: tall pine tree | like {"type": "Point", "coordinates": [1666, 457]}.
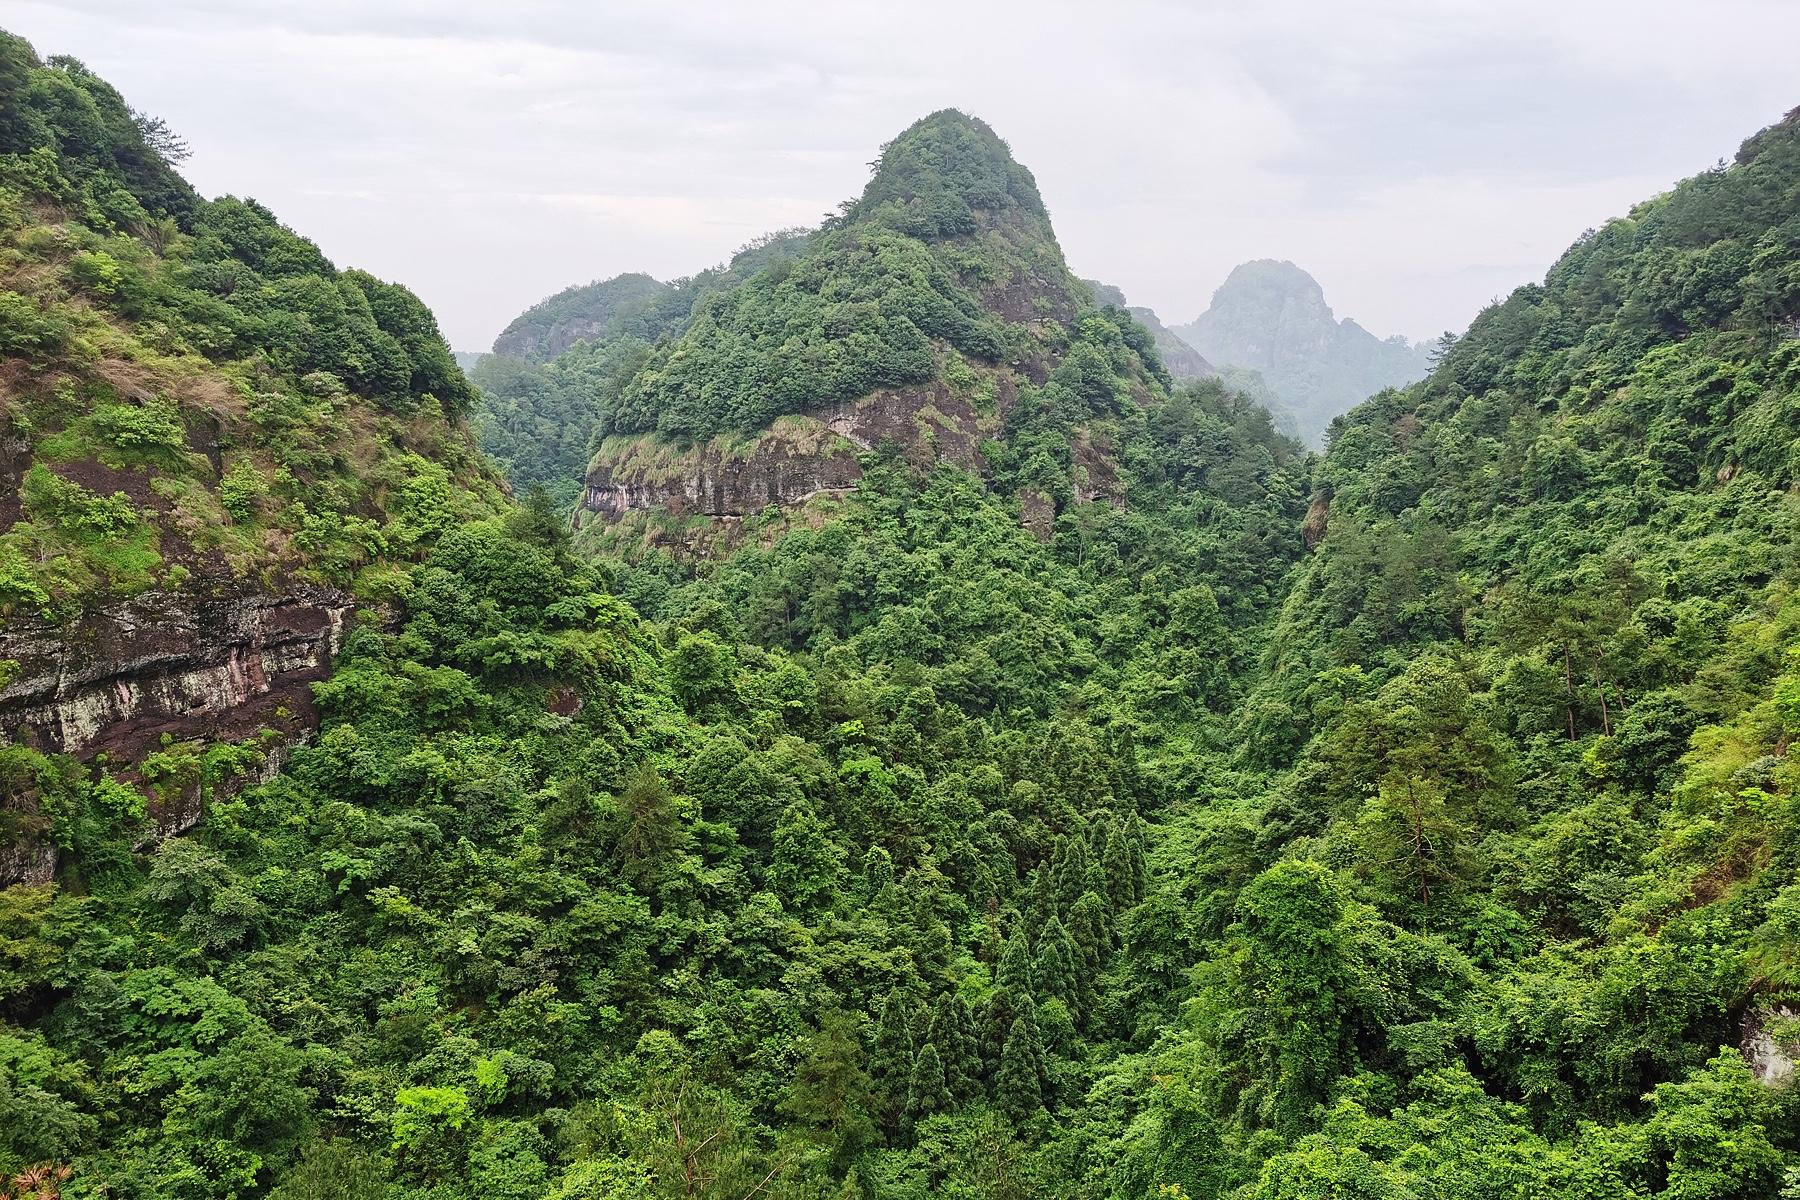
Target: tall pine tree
{"type": "Point", "coordinates": [1071, 874]}
{"type": "Point", "coordinates": [1019, 1083]}
{"type": "Point", "coordinates": [926, 1092]}
{"type": "Point", "coordinates": [1012, 987]}
{"type": "Point", "coordinates": [953, 1033]}
{"type": "Point", "coordinates": [1115, 860]}
{"type": "Point", "coordinates": [891, 1059]}
{"type": "Point", "coordinates": [1055, 967]}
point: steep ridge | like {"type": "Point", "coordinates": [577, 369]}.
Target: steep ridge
{"type": "Point", "coordinates": [1182, 360]}
{"type": "Point", "coordinates": [934, 316]}
{"type": "Point", "coordinates": [206, 433]}
{"type": "Point", "coordinates": [1271, 318]}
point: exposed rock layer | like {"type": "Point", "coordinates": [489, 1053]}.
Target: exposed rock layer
{"type": "Point", "coordinates": [796, 460]}
{"type": "Point", "coordinates": [169, 663]}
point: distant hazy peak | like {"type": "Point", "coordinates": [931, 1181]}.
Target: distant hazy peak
{"type": "Point", "coordinates": [1268, 283]}
{"type": "Point", "coordinates": [1271, 316]}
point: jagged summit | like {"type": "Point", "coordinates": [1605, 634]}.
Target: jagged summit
{"type": "Point", "coordinates": [1271, 317]}
{"type": "Point", "coordinates": [940, 174]}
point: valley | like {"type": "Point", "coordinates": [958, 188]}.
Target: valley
{"type": "Point", "coordinates": [885, 718]}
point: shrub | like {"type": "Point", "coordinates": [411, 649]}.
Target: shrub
{"type": "Point", "coordinates": [241, 488]}
{"type": "Point", "coordinates": [72, 508]}
{"type": "Point", "coordinates": [19, 587]}
{"type": "Point", "coordinates": [25, 329]}
{"type": "Point", "coordinates": [141, 428]}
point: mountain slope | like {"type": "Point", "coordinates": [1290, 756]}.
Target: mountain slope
{"type": "Point", "coordinates": [934, 316]}
{"type": "Point", "coordinates": [209, 438]}
{"type": "Point", "coordinates": [1271, 317]}
{"type": "Point", "coordinates": [1527, 726]}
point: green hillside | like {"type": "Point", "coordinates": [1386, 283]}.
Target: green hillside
{"type": "Point", "coordinates": [193, 394]}
{"type": "Point", "coordinates": [1414, 821]}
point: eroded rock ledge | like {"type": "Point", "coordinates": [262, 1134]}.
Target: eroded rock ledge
{"type": "Point", "coordinates": [160, 663]}
{"type": "Point", "coordinates": [794, 460]}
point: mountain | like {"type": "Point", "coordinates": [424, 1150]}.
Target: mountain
{"type": "Point", "coordinates": [1271, 317]}
{"type": "Point", "coordinates": [1137, 806]}
{"type": "Point", "coordinates": [211, 440]}
{"type": "Point", "coordinates": [1182, 360]}
{"type": "Point", "coordinates": [934, 316]}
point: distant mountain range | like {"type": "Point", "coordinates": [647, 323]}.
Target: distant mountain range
{"type": "Point", "coordinates": [1270, 317]}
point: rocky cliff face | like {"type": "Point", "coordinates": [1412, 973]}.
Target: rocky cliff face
{"type": "Point", "coordinates": [793, 461]}
{"type": "Point", "coordinates": [123, 676]}
{"type": "Point", "coordinates": [157, 669]}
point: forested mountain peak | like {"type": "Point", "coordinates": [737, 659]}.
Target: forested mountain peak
{"type": "Point", "coordinates": [943, 175]}
{"type": "Point", "coordinates": [935, 318]}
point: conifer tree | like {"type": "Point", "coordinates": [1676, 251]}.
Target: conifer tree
{"type": "Point", "coordinates": [953, 1033]}
{"type": "Point", "coordinates": [1096, 874]}
{"type": "Point", "coordinates": [1121, 889]}
{"type": "Point", "coordinates": [1055, 968]}
{"type": "Point", "coordinates": [926, 1092]}
{"type": "Point", "coordinates": [1071, 874]}
{"type": "Point", "coordinates": [1019, 1082]}
{"type": "Point", "coordinates": [1043, 900]}
{"type": "Point", "coordinates": [1012, 987]}
{"type": "Point", "coordinates": [891, 1058]}
{"type": "Point", "coordinates": [1014, 973]}
{"type": "Point", "coordinates": [1140, 869]}
{"type": "Point", "coordinates": [1090, 925]}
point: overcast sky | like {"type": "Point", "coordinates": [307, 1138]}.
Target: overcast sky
{"type": "Point", "coordinates": [1418, 157]}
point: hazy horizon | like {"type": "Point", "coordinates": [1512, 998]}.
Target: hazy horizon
{"type": "Point", "coordinates": [1417, 165]}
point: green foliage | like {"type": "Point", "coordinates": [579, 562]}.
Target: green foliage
{"type": "Point", "coordinates": [169, 337]}
{"type": "Point", "coordinates": [918, 853]}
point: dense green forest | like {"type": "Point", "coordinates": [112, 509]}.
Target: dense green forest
{"type": "Point", "coordinates": [1411, 821]}
{"type": "Point", "coordinates": [561, 366]}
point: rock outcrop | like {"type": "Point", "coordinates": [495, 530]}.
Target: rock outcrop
{"type": "Point", "coordinates": [791, 462]}
{"type": "Point", "coordinates": [1768, 1045]}
{"type": "Point", "coordinates": [123, 676]}
{"type": "Point", "coordinates": [159, 669]}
